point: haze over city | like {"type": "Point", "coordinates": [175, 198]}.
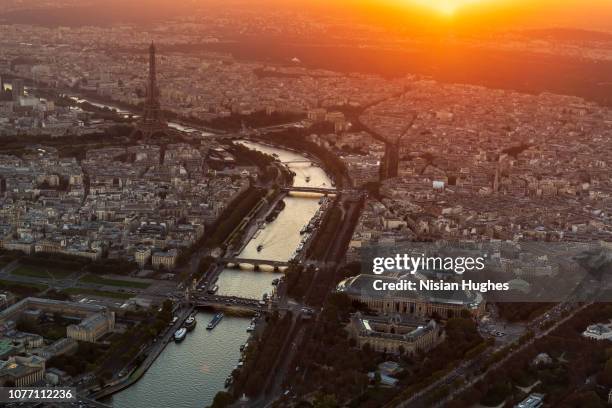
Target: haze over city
{"type": "Point", "coordinates": [466, 14]}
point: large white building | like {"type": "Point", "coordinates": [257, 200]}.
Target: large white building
{"type": "Point", "coordinates": [93, 327]}
{"type": "Point", "coordinates": [421, 304]}
{"type": "Point", "coordinates": [95, 320]}
{"type": "Point", "coordinates": [599, 331]}
{"type": "Point", "coordinates": [394, 334]}
{"type": "Point", "coordinates": [164, 259]}
{"type": "Point", "coordinates": [22, 371]}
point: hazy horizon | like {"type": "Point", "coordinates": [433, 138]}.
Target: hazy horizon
{"type": "Point", "coordinates": [419, 15]}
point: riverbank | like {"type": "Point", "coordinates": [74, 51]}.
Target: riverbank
{"type": "Point", "coordinates": [137, 373]}
{"type": "Point", "coordinates": [188, 374]}
{"type": "Point", "coordinates": [173, 372]}
{"type": "Point", "coordinates": [294, 139]}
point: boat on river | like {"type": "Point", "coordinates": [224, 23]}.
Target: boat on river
{"type": "Point", "coordinates": [180, 334]}
{"type": "Point", "coordinates": [190, 323]}
{"type": "Point", "coordinates": [277, 210]}
{"type": "Point", "coordinates": [228, 381]}
{"type": "Point", "coordinates": [215, 321]}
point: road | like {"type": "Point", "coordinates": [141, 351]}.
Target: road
{"type": "Point", "coordinates": [229, 302]}
{"type": "Point", "coordinates": [336, 251]}
{"type": "Point", "coordinates": [299, 332]}
{"type": "Point", "coordinates": [469, 369]}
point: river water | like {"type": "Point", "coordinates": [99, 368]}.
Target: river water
{"type": "Point", "coordinates": [127, 114]}
{"type": "Point", "coordinates": [190, 373]}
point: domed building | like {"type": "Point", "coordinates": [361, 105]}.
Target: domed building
{"type": "Point", "coordinates": [419, 303]}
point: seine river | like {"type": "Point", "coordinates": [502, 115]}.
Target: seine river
{"type": "Point", "coordinates": [190, 373]}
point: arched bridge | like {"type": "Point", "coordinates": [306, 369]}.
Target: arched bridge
{"type": "Point", "coordinates": [255, 262]}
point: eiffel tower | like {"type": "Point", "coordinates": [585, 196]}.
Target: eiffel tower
{"type": "Point", "coordinates": [152, 121]}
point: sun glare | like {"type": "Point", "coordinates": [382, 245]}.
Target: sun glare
{"type": "Point", "coordinates": [445, 7]}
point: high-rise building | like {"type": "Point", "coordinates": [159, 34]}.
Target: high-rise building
{"type": "Point", "coordinates": [18, 89]}
{"type": "Point", "coordinates": [152, 121]}
{"type": "Point", "coordinates": [390, 162]}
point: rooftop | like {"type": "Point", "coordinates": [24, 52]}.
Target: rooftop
{"type": "Point", "coordinates": [362, 285]}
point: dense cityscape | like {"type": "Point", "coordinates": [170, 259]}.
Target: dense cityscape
{"type": "Point", "coordinates": [191, 205]}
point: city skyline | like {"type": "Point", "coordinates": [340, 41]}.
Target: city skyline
{"type": "Point", "coordinates": [421, 16]}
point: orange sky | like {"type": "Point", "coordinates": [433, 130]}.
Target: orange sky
{"type": "Point", "coordinates": [494, 14]}
{"type": "Point", "coordinates": [586, 14]}
{"type": "Point", "coordinates": [444, 7]}
{"type": "Point", "coordinates": [422, 14]}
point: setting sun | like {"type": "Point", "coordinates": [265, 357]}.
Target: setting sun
{"type": "Point", "coordinates": [446, 7]}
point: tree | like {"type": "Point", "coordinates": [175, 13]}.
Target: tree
{"type": "Point", "coordinates": [588, 399]}
{"type": "Point", "coordinates": [606, 375]}
{"type": "Point", "coordinates": [325, 401]}
{"type": "Point", "coordinates": [377, 379]}
{"type": "Point", "coordinates": [497, 393]}
{"type": "Point", "coordinates": [222, 400]}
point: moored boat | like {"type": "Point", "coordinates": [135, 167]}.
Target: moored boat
{"type": "Point", "coordinates": [190, 323]}
{"type": "Point", "coordinates": [280, 206]}
{"type": "Point", "coordinates": [180, 334]}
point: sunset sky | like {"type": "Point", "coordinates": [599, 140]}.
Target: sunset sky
{"type": "Point", "coordinates": [446, 7]}
{"type": "Point", "coordinates": [496, 14]}
{"type": "Point", "coordinates": [420, 15]}
{"type": "Point", "coordinates": [586, 14]}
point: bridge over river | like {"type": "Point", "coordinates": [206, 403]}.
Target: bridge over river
{"type": "Point", "coordinates": [229, 303]}
{"type": "Point", "coordinates": [320, 190]}
{"type": "Point", "coordinates": [256, 263]}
